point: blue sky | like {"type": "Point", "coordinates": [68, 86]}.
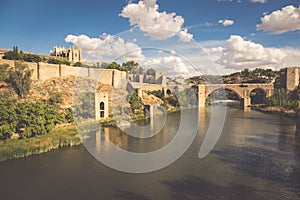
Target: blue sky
{"type": "Point", "coordinates": [37, 26]}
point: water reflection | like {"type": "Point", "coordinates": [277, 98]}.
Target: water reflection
{"type": "Point", "coordinates": [256, 157]}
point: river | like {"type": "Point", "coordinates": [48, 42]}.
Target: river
{"type": "Point", "coordinates": [256, 157]}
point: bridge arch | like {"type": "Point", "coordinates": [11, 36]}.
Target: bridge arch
{"type": "Point", "coordinates": [258, 95]}
{"type": "Point", "coordinates": [211, 90]}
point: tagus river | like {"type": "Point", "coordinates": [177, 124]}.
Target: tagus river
{"type": "Point", "coordinates": [256, 157]}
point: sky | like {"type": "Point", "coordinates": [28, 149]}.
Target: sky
{"type": "Point", "coordinates": [180, 37]}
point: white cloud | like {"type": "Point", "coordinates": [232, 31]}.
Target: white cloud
{"type": "Point", "coordinates": [173, 52]}
{"type": "Point", "coordinates": [258, 1]}
{"type": "Point", "coordinates": [184, 36]}
{"type": "Point", "coordinates": [240, 54]}
{"type": "Point", "coordinates": [281, 21]}
{"type": "Point", "coordinates": [214, 50]}
{"type": "Point", "coordinates": [293, 57]}
{"type": "Point", "coordinates": [157, 25]}
{"type": "Point", "coordinates": [106, 45]}
{"type": "Point", "coordinates": [226, 22]}
{"type": "Point", "coordinates": [173, 65]}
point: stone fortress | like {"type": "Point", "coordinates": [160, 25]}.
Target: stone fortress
{"type": "Point", "coordinates": [72, 54]}
{"type": "Point", "coordinates": [109, 80]}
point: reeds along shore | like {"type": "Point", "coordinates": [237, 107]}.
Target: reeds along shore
{"type": "Point", "coordinates": [58, 137]}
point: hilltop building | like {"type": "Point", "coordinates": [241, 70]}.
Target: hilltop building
{"type": "Point", "coordinates": [289, 77]}
{"type": "Point", "coordinates": [72, 54]}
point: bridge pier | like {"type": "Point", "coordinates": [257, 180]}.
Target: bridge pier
{"type": "Point", "coordinates": [247, 102]}
{"type": "Point", "coordinates": [140, 93]}
{"type": "Point", "coordinates": [201, 95]}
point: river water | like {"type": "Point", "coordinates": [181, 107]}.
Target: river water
{"type": "Point", "coordinates": [256, 157]}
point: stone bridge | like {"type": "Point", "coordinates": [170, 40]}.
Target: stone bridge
{"type": "Point", "coordinates": [242, 90]}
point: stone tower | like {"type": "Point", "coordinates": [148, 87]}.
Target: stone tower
{"type": "Point", "coordinates": [289, 77]}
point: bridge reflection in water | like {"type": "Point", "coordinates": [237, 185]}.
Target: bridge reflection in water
{"type": "Point", "coordinates": [104, 137]}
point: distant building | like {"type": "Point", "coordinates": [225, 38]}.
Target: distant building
{"type": "Point", "coordinates": [157, 78]}
{"type": "Point", "coordinates": [289, 77]}
{"type": "Point", "coordinates": [72, 54]}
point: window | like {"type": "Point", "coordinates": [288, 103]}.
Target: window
{"type": "Point", "coordinates": [102, 110]}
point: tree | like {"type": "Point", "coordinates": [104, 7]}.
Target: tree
{"type": "Point", "coordinates": [77, 64]}
{"type": "Point", "coordinates": [32, 58]}
{"type": "Point", "coordinates": [19, 77]}
{"type": "Point", "coordinates": [4, 72]}
{"type": "Point", "coordinates": [8, 117]}
{"type": "Point", "coordinates": [55, 98]}
{"type": "Point", "coordinates": [69, 115]}
{"type": "Point", "coordinates": [150, 71]}
{"type": "Point", "coordinates": [135, 102]}
{"type": "Point", "coordinates": [59, 61]}
{"type": "Point", "coordinates": [131, 66]}
{"type": "Point", "coordinates": [12, 55]}
{"type": "Point", "coordinates": [86, 106]}
{"type": "Point", "coordinates": [36, 118]}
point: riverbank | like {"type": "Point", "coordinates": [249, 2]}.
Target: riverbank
{"type": "Point", "coordinates": [277, 111]}
{"type": "Point", "coordinates": [58, 137]}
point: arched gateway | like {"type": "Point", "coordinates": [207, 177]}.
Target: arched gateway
{"type": "Point", "coordinates": [242, 90]}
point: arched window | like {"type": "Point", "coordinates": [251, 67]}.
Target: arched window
{"type": "Point", "coordinates": [102, 106]}
{"type": "Point", "coordinates": [102, 110]}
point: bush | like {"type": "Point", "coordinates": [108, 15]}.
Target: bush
{"type": "Point", "coordinates": [60, 61]}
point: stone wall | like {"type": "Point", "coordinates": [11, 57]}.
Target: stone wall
{"type": "Point", "coordinates": [44, 71]}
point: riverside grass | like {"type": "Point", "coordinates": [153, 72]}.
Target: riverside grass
{"type": "Point", "coordinates": [58, 137]}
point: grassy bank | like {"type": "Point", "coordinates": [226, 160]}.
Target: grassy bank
{"type": "Point", "coordinates": [58, 137]}
{"type": "Point", "coordinates": [276, 110]}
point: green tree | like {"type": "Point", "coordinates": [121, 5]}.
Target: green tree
{"type": "Point", "coordinates": [69, 115]}
{"type": "Point", "coordinates": [135, 102]}
{"type": "Point", "coordinates": [150, 71]}
{"type": "Point", "coordinates": [19, 77]}
{"type": "Point", "coordinates": [32, 58]}
{"type": "Point", "coordinates": [36, 118]}
{"type": "Point", "coordinates": [55, 98]}
{"type": "Point", "coordinates": [8, 117]}
{"type": "Point", "coordinates": [60, 61]}
{"type": "Point", "coordinates": [85, 107]}
{"type": "Point", "coordinates": [4, 72]}
{"type": "Point", "coordinates": [77, 64]}
{"type": "Point", "coordinates": [131, 66]}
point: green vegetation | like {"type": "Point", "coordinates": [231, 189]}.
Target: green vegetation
{"type": "Point", "coordinates": [4, 72]}
{"type": "Point", "coordinates": [150, 71]}
{"type": "Point", "coordinates": [60, 61]}
{"type": "Point", "coordinates": [27, 119]}
{"type": "Point", "coordinates": [257, 75]}
{"type": "Point", "coordinates": [285, 99]}
{"type": "Point", "coordinates": [57, 137]}
{"type": "Point", "coordinates": [85, 108]}
{"type": "Point", "coordinates": [31, 58]}
{"type": "Point", "coordinates": [19, 77]}
{"type": "Point", "coordinates": [115, 65]}
{"type": "Point", "coordinates": [15, 54]}
{"type": "Point", "coordinates": [78, 64]}
{"type": "Point", "coordinates": [136, 103]}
